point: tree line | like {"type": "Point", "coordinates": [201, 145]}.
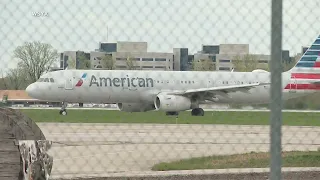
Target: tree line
{"type": "Point", "coordinates": [242, 63]}
{"type": "Point", "coordinates": [107, 62]}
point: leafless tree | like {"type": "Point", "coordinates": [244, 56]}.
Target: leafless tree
{"type": "Point", "coordinates": [84, 62]}
{"type": "Point", "coordinates": [16, 78]}
{"type": "Point", "coordinates": [245, 63]}
{"type": "Point", "coordinates": [131, 64]}
{"type": "Point", "coordinates": [71, 63]}
{"type": "Point", "coordinates": [36, 58]}
{"type": "Point", "coordinates": [108, 62]}
{"type": "Point", "coordinates": [203, 65]}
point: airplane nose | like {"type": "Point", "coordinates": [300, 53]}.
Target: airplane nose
{"type": "Point", "coordinates": [31, 90]}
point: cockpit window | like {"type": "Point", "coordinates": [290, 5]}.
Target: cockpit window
{"type": "Point", "coordinates": [40, 80]}
{"type": "Point", "coordinates": [46, 80]}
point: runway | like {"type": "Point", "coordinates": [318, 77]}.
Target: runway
{"type": "Point", "coordinates": [110, 148]}
{"type": "Point", "coordinates": [205, 109]}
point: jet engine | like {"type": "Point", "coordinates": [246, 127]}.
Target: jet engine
{"type": "Point", "coordinates": [135, 107]}
{"type": "Point", "coordinates": [165, 102]}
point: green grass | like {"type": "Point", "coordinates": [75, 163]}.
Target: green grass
{"type": "Point", "coordinates": [235, 118]}
{"type": "Point", "coordinates": [250, 160]}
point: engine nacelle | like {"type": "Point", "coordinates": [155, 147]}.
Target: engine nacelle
{"type": "Point", "coordinates": [165, 102]}
{"type": "Point", "coordinates": [135, 107]}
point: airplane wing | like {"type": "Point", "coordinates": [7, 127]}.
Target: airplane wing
{"type": "Point", "coordinates": [221, 90]}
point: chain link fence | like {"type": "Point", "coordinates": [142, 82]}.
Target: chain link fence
{"type": "Point", "coordinates": [175, 62]}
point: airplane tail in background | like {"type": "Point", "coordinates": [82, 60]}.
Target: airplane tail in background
{"type": "Point", "coordinates": [310, 60]}
{"type": "Point", "coordinates": [305, 75]}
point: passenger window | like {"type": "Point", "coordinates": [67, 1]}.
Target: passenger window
{"type": "Point", "coordinates": [51, 80]}
{"type": "Point", "coordinates": [40, 80]}
{"type": "Point", "coordinates": [46, 80]}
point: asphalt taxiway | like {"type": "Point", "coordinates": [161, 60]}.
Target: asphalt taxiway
{"type": "Point", "coordinates": [94, 149]}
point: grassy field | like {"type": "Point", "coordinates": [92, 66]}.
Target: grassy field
{"type": "Point", "coordinates": [235, 118]}
{"type": "Point", "coordinates": [250, 160]}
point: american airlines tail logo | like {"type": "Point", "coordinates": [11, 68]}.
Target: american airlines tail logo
{"type": "Point", "coordinates": [80, 82]}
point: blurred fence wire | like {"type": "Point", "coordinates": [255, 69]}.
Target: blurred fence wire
{"type": "Point", "coordinates": [171, 57]}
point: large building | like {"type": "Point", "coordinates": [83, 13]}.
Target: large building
{"type": "Point", "coordinates": [223, 56]}
{"type": "Point", "coordinates": [68, 57]}
{"type": "Point", "coordinates": [144, 60]}
{"type": "Point", "coordinates": [120, 52]}
{"type": "Point", "coordinates": [226, 62]}
{"type": "Point", "coordinates": [180, 59]}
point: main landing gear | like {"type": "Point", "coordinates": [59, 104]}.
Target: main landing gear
{"type": "Point", "coordinates": [197, 112]}
{"type": "Point", "coordinates": [194, 112]}
{"type": "Point", "coordinates": [63, 110]}
{"type": "Point", "coordinates": [172, 113]}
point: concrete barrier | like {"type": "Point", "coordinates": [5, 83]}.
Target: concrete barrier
{"type": "Point", "coordinates": [23, 148]}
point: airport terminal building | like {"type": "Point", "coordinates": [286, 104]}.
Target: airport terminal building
{"type": "Point", "coordinates": [222, 56]}
{"type": "Point", "coordinates": [122, 51]}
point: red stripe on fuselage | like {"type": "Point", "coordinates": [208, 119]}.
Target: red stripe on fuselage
{"type": "Point", "coordinates": [305, 76]}
{"type": "Point", "coordinates": [303, 86]}
{"type": "Point", "coordinates": [316, 64]}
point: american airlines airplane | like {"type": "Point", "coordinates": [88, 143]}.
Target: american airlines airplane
{"type": "Point", "coordinates": [174, 91]}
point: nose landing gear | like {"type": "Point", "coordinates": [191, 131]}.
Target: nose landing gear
{"type": "Point", "coordinates": [63, 110]}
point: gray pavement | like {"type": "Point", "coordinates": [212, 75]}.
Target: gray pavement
{"type": "Point", "coordinates": [96, 149]}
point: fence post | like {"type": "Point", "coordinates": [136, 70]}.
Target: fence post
{"type": "Point", "coordinates": [276, 90]}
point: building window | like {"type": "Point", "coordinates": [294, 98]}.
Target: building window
{"type": "Point", "coordinates": [61, 64]}
{"type": "Point", "coordinates": [121, 67]}
{"type": "Point", "coordinates": [263, 61]}
{"type": "Point", "coordinates": [97, 58]}
{"type": "Point", "coordinates": [160, 59]}
{"type": "Point", "coordinates": [213, 58]}
{"type": "Point", "coordinates": [147, 59]}
{"type": "Point", "coordinates": [224, 68]}
{"type": "Point", "coordinates": [121, 59]}
{"type": "Point", "coordinates": [147, 66]}
{"type": "Point", "coordinates": [162, 67]}
{"type": "Point", "coordinates": [225, 60]}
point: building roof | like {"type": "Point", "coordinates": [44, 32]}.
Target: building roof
{"type": "Point", "coordinates": [16, 95]}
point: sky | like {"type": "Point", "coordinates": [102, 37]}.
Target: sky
{"type": "Point", "coordinates": [164, 24]}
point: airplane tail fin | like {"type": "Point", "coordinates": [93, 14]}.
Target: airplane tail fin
{"type": "Point", "coordinates": [310, 60]}
{"type": "Point", "coordinates": [306, 72]}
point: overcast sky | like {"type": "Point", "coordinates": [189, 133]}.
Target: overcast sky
{"type": "Point", "coordinates": [164, 24]}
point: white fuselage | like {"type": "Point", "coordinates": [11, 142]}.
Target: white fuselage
{"type": "Point", "coordinates": [131, 86]}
